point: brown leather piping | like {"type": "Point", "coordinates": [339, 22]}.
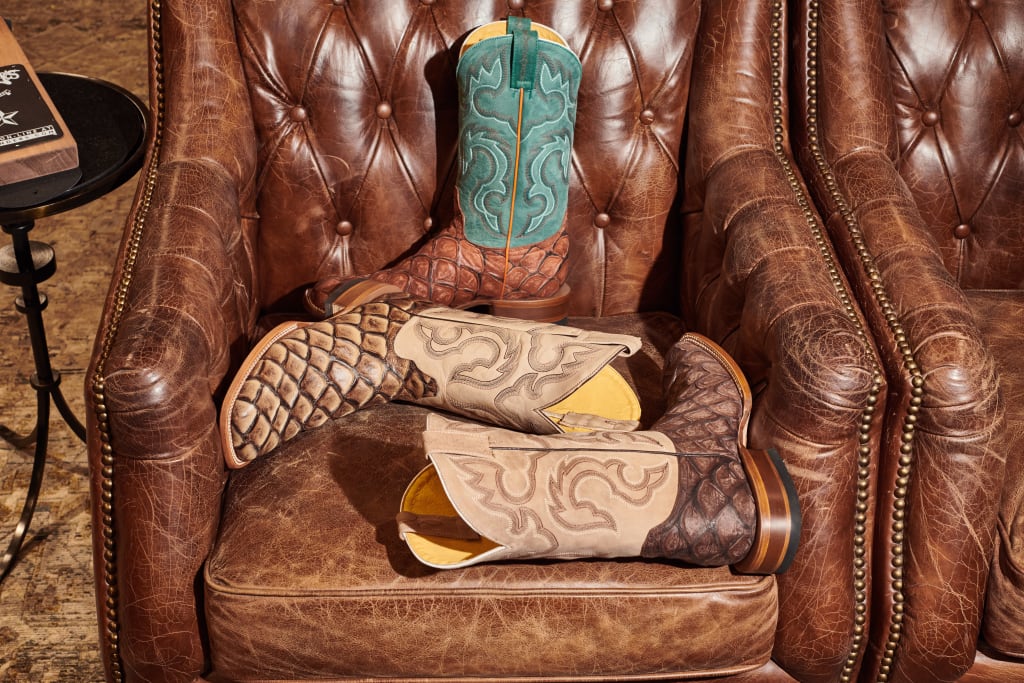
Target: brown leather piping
{"type": "Point", "coordinates": [860, 559]}
{"type": "Point", "coordinates": [112, 627]}
{"type": "Point", "coordinates": [910, 364]}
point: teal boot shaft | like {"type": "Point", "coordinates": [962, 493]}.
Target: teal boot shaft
{"type": "Point", "coordinates": [517, 97]}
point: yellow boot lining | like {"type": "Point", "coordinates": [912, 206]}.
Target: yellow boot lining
{"type": "Point", "coordinates": [607, 394]}
{"type": "Point", "coordinates": [426, 497]}
{"type": "Point", "coordinates": [498, 28]}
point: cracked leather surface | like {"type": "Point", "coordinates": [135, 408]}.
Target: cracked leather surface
{"type": "Point", "coordinates": [918, 114]}
{"type": "Point", "coordinates": [341, 568]}
{"type": "Point", "coordinates": [998, 313]}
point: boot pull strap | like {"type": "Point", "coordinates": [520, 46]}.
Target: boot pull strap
{"type": "Point", "coordinates": [523, 59]}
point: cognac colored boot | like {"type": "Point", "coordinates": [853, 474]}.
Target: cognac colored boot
{"type": "Point", "coordinates": [506, 247]}
{"type": "Point", "coordinates": [687, 490]}
{"type": "Point", "coordinates": [537, 377]}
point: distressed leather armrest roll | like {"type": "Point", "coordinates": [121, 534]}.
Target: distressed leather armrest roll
{"type": "Point", "coordinates": [943, 451]}
{"type": "Point", "coordinates": [163, 353]}
{"type": "Point", "coordinates": [761, 279]}
{"type": "Point", "coordinates": [778, 304]}
{"type": "Point", "coordinates": [940, 470]}
{"type": "Point", "coordinates": [180, 309]}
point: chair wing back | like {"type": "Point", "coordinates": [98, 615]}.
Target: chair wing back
{"type": "Point", "coordinates": [957, 75]}
{"type": "Point", "coordinates": [947, 99]}
{"type": "Point", "coordinates": [355, 108]}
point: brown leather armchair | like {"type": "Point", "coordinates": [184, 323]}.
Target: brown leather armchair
{"type": "Point", "coordinates": [908, 129]}
{"type": "Point", "coordinates": [291, 136]}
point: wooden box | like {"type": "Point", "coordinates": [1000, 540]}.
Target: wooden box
{"type": "Point", "coordinates": [34, 140]}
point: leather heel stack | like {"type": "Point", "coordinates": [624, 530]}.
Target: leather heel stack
{"type": "Point", "coordinates": [778, 514]}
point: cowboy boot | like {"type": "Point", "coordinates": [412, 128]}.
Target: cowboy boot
{"type": "Point", "coordinates": [536, 377]}
{"type": "Point", "coordinates": [688, 493]}
{"type": "Point", "coordinates": [506, 247]}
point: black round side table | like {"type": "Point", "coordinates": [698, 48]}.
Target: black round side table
{"type": "Point", "coordinates": [109, 125]}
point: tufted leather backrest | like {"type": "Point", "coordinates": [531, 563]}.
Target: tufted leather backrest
{"type": "Point", "coordinates": [957, 74]}
{"type": "Point", "coordinates": [355, 108]}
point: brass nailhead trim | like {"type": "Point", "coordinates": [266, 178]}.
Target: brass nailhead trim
{"type": "Point", "coordinates": [860, 562]}
{"type": "Point", "coordinates": [110, 579]}
{"type": "Point", "coordinates": [905, 470]}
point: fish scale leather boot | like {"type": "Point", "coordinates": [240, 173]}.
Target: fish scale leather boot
{"type": "Point", "coordinates": [506, 247]}
{"type": "Point", "coordinates": [535, 377]}
{"type": "Point", "coordinates": [687, 490]}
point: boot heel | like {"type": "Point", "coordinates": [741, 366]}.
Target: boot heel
{"type": "Point", "coordinates": [354, 293]}
{"type": "Point", "coordinates": [778, 514]}
{"type": "Point", "coordinates": [553, 309]}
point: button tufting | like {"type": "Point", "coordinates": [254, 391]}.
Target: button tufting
{"type": "Point", "coordinates": [930, 117]}
{"type": "Point", "coordinates": [298, 114]}
{"type": "Point", "coordinates": [962, 231]}
{"type": "Point", "coordinates": [647, 117]}
{"type": "Point", "coordinates": [428, 223]}
{"type": "Point", "coordinates": [602, 220]}
{"type": "Point", "coordinates": [516, 4]}
{"type": "Point", "coordinates": [344, 228]}
{"type": "Point", "coordinates": [1014, 119]}
{"type": "Point", "coordinates": [605, 5]}
{"type": "Point", "coordinates": [339, 3]}
{"type": "Point", "coordinates": [384, 110]}
{"type": "Point", "coordinates": [976, 4]}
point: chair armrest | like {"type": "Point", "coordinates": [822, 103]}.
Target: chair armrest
{"type": "Point", "coordinates": [177, 313]}
{"type": "Point", "coordinates": [944, 458]}
{"type": "Point", "coordinates": [761, 279]}
{"type": "Point", "coordinates": [774, 299]}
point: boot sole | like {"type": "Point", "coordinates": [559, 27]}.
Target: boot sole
{"type": "Point", "coordinates": [227, 407]}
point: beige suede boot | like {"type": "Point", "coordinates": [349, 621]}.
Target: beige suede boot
{"type": "Point", "coordinates": [688, 490]}
{"type": "Point", "coordinates": [534, 377]}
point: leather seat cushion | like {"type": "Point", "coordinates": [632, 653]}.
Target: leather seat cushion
{"type": "Point", "coordinates": [999, 314]}
{"type": "Point", "coordinates": [309, 577]}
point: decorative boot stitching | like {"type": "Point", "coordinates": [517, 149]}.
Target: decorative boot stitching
{"type": "Point", "coordinates": [112, 629]}
{"type": "Point", "coordinates": [910, 365]}
{"type": "Point", "coordinates": [860, 560]}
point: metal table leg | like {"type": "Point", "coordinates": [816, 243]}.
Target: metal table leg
{"type": "Point", "coordinates": [25, 264]}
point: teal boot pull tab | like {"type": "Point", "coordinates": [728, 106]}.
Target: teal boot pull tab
{"type": "Point", "coordinates": [524, 53]}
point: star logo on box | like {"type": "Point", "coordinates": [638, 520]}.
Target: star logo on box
{"type": "Point", "coordinates": [7, 118]}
